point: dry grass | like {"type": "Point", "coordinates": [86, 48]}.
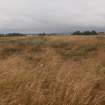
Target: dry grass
{"type": "Point", "coordinates": [52, 70]}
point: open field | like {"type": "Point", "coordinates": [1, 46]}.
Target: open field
{"type": "Point", "coordinates": [52, 70]}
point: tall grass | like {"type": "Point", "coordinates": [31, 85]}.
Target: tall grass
{"type": "Point", "coordinates": [38, 74]}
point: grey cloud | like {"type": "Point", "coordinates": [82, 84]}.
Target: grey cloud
{"type": "Point", "coordinates": [51, 15]}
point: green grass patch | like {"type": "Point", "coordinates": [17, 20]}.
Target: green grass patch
{"type": "Point", "coordinates": [74, 51]}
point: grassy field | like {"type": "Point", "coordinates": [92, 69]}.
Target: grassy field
{"type": "Point", "coordinates": [52, 70]}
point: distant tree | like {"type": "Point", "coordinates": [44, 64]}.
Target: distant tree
{"type": "Point", "coordinates": [76, 33]}
{"type": "Point", "coordinates": [94, 32]}
{"type": "Point", "coordinates": [85, 33]}
{"type": "Point", "coordinates": [42, 34]}
{"type": "Point", "coordinates": [15, 34]}
{"type": "Point", "coordinates": [1, 35]}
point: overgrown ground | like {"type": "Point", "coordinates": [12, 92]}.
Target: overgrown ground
{"type": "Point", "coordinates": [52, 70]}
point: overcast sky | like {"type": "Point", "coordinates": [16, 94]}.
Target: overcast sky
{"type": "Point", "coordinates": [51, 15]}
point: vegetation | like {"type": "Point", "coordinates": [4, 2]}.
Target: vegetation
{"type": "Point", "coordinates": [42, 34]}
{"type": "Point", "coordinates": [85, 33]}
{"type": "Point", "coordinates": [52, 70]}
{"type": "Point", "coordinates": [12, 34]}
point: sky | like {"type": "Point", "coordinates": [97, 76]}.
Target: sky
{"type": "Point", "coordinates": [51, 16]}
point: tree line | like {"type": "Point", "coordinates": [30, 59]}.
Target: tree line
{"type": "Point", "coordinates": [12, 34]}
{"type": "Point", "coordinates": [44, 34]}
{"type": "Point", "coordinates": [85, 33]}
